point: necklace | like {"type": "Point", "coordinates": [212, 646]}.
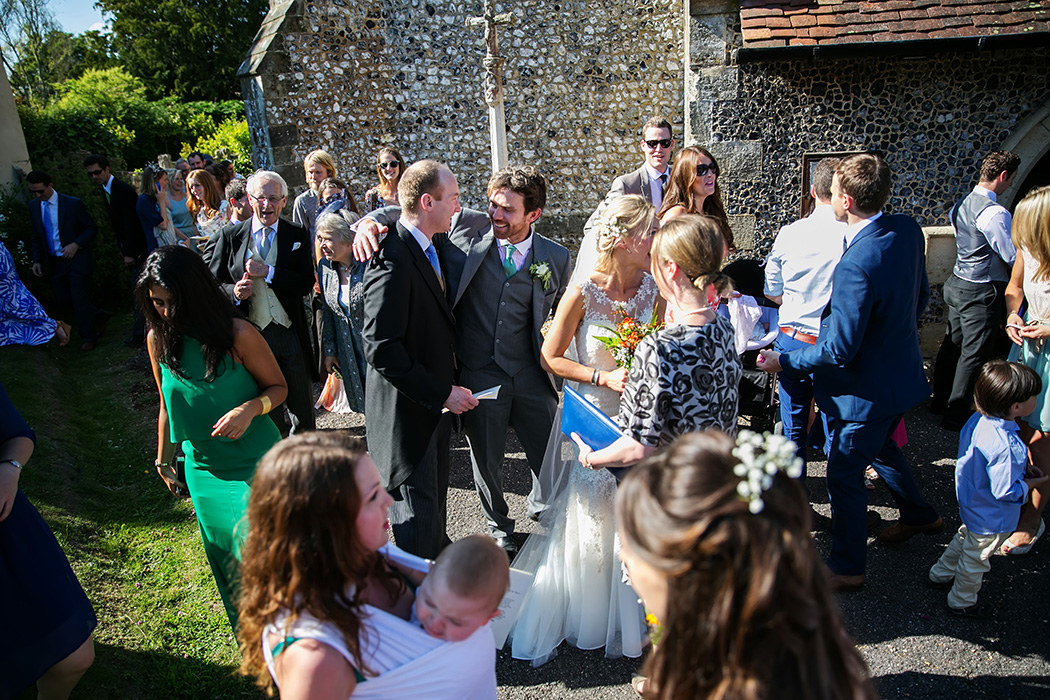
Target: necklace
{"type": "Point", "coordinates": [676, 318]}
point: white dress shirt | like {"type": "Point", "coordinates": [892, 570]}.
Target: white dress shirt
{"type": "Point", "coordinates": [521, 250]}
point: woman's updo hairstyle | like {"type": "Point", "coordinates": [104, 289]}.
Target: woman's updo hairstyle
{"type": "Point", "coordinates": [694, 242]}
{"type": "Point", "coordinates": [750, 613]}
{"type": "Point", "coordinates": [624, 218]}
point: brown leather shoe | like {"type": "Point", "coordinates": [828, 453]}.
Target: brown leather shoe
{"type": "Point", "coordinates": [900, 532]}
{"type": "Point", "coordinates": [89, 346]}
{"type": "Point", "coordinates": [841, 582]}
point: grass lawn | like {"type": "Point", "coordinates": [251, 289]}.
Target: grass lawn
{"type": "Point", "coordinates": [162, 631]}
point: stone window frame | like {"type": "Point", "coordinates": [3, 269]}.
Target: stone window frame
{"type": "Point", "coordinates": [809, 161]}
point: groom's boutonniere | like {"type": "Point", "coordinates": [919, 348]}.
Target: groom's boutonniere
{"type": "Point", "coordinates": [541, 271]}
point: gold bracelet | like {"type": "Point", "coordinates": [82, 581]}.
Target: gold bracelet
{"type": "Point", "coordinates": [266, 404]}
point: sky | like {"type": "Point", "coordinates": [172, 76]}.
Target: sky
{"type": "Point", "coordinates": [77, 16]}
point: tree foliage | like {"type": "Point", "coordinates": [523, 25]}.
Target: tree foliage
{"type": "Point", "coordinates": [109, 111]}
{"type": "Point", "coordinates": [187, 48]}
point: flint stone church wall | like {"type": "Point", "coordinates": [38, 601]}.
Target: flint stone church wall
{"type": "Point", "coordinates": [580, 77]}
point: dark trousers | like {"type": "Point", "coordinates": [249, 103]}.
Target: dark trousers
{"type": "Point", "coordinates": [796, 398]}
{"type": "Point", "coordinates": [525, 402]}
{"type": "Point", "coordinates": [71, 281]}
{"type": "Point", "coordinates": [855, 445]}
{"type": "Point", "coordinates": [976, 314]}
{"type": "Point", "coordinates": [419, 513]}
{"type": "Point", "coordinates": [296, 414]}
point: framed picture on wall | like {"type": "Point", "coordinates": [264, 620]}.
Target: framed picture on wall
{"type": "Point", "coordinates": [809, 162]}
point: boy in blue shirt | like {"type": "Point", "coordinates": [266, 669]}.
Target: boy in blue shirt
{"type": "Point", "coordinates": [990, 480]}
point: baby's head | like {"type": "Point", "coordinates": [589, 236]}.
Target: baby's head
{"type": "Point", "coordinates": [463, 589]}
{"type": "Point", "coordinates": [1006, 390]}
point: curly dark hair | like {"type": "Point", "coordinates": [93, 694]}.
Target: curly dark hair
{"type": "Point", "coordinates": [201, 310]}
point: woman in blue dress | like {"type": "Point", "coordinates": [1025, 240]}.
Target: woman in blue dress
{"type": "Point", "coordinates": [47, 619]}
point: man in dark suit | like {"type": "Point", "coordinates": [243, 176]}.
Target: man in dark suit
{"type": "Point", "coordinates": [131, 239]}
{"type": "Point", "coordinates": [62, 230]}
{"type": "Point", "coordinates": [501, 299]}
{"type": "Point", "coordinates": [866, 365]}
{"type": "Point", "coordinates": [265, 264]}
{"type": "Point", "coordinates": [409, 343]}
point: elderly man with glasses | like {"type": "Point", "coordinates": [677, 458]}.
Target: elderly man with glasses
{"type": "Point", "coordinates": [266, 267]}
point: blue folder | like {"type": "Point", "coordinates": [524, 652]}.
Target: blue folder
{"type": "Point", "coordinates": [597, 430]}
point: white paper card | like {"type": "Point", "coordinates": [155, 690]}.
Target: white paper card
{"type": "Point", "coordinates": [520, 582]}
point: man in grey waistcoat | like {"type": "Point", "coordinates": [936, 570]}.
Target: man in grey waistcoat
{"type": "Point", "coordinates": [504, 279]}
{"type": "Point", "coordinates": [974, 292]}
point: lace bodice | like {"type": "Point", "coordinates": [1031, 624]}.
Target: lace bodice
{"type": "Point", "coordinates": [599, 314]}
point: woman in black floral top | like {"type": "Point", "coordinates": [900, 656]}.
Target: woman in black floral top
{"type": "Point", "coordinates": [686, 376]}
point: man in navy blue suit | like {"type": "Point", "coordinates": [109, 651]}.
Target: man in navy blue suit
{"type": "Point", "coordinates": [63, 229]}
{"type": "Point", "coordinates": [866, 365]}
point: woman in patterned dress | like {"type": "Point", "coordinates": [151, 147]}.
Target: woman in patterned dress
{"type": "Point", "coordinates": [578, 594]}
{"type": "Point", "coordinates": [686, 376]}
{"type": "Point", "coordinates": [22, 318]}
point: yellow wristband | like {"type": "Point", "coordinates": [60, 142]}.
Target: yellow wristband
{"type": "Point", "coordinates": [266, 404]}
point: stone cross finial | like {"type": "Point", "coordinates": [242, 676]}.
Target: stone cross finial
{"type": "Point", "coordinates": [493, 80]}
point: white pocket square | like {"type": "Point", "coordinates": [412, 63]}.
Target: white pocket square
{"type": "Point", "coordinates": [296, 245]}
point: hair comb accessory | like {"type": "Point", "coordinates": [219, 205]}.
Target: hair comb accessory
{"type": "Point", "coordinates": [611, 228]}
{"type": "Point", "coordinates": [761, 457]}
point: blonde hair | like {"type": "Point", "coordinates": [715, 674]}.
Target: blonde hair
{"type": "Point", "coordinates": [625, 217]}
{"type": "Point", "coordinates": [1031, 228]}
{"type": "Point", "coordinates": [694, 242]}
{"type": "Point", "coordinates": [321, 158]}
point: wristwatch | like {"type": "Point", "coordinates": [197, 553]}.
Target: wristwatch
{"type": "Point", "coordinates": [18, 465]}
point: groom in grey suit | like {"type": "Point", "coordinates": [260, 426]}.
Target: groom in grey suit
{"type": "Point", "coordinates": [504, 279]}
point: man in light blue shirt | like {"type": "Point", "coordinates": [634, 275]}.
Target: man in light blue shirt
{"type": "Point", "coordinates": [798, 277]}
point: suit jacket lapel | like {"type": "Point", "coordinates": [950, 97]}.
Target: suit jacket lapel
{"type": "Point", "coordinates": [870, 230]}
{"type": "Point", "coordinates": [245, 234]}
{"type": "Point", "coordinates": [479, 248]}
{"type": "Point", "coordinates": [424, 267]}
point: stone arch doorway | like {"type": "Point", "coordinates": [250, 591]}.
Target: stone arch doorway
{"type": "Point", "coordinates": [1031, 141]}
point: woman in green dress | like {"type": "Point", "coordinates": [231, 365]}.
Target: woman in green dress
{"type": "Point", "coordinates": [217, 379]}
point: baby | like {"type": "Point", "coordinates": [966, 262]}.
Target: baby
{"type": "Point", "coordinates": [990, 480]}
{"type": "Point", "coordinates": [463, 590]}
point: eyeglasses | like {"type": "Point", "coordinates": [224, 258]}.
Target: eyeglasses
{"type": "Point", "coordinates": [93, 173]}
{"type": "Point", "coordinates": [272, 200]}
{"type": "Point", "coordinates": [703, 168]}
{"type": "Point", "coordinates": [389, 165]}
{"type": "Point", "coordinates": [663, 143]}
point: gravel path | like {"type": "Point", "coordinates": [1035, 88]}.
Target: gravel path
{"type": "Point", "coordinates": [912, 646]}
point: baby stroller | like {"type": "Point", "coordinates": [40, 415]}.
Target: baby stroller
{"type": "Point", "coordinates": [755, 320]}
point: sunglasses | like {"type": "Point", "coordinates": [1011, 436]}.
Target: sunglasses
{"type": "Point", "coordinates": [389, 165]}
{"type": "Point", "coordinates": [94, 172]}
{"type": "Point", "coordinates": [663, 143]}
{"type": "Point", "coordinates": [704, 168]}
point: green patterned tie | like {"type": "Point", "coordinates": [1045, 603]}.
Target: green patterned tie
{"type": "Point", "coordinates": [508, 262]}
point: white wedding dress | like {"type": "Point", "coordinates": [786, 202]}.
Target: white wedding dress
{"type": "Point", "coordinates": [578, 593]}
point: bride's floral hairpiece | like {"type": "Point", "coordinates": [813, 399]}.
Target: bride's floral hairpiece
{"type": "Point", "coordinates": [761, 457]}
{"type": "Point", "coordinates": [611, 228]}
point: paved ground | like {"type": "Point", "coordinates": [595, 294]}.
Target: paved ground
{"type": "Point", "coordinates": [912, 646]}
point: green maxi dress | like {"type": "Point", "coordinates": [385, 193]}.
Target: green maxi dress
{"type": "Point", "coordinates": [218, 470]}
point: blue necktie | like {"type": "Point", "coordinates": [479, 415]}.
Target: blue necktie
{"type": "Point", "coordinates": [432, 256]}
{"type": "Point", "coordinates": [264, 244]}
{"type": "Point", "coordinates": [49, 229]}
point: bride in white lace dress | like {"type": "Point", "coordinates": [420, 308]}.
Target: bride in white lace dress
{"type": "Point", "coordinates": [578, 594]}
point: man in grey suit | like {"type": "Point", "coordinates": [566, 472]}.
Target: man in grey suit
{"type": "Point", "coordinates": [504, 279]}
{"type": "Point", "coordinates": [649, 180]}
